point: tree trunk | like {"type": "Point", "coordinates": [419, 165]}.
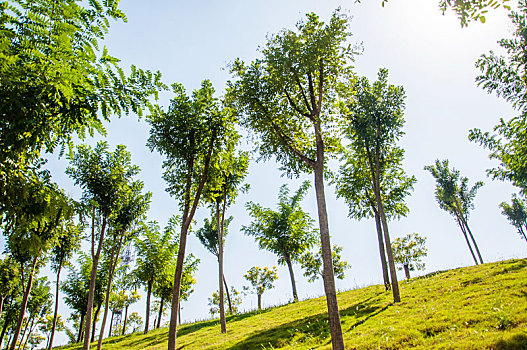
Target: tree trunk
{"type": "Point", "coordinates": [94, 323]}
{"type": "Point", "coordinates": [91, 292]}
{"type": "Point", "coordinates": [56, 312]}
{"type": "Point", "coordinates": [466, 237]}
{"type": "Point", "coordinates": [223, 322]}
{"type": "Point", "coordinates": [259, 301]}
{"type": "Point", "coordinates": [23, 306]}
{"type": "Point", "coordinates": [1, 305]}
{"type": "Point", "coordinates": [179, 312]}
{"type": "Point", "coordinates": [337, 339]}
{"type": "Point", "coordinates": [81, 329]}
{"type": "Point", "coordinates": [29, 334]}
{"type": "Point", "coordinates": [23, 334]}
{"type": "Point", "coordinates": [161, 304]}
{"type": "Point", "coordinates": [111, 324]}
{"type": "Point", "coordinates": [462, 218]}
{"type": "Point", "coordinates": [406, 271]}
{"type": "Point", "coordinates": [228, 295]}
{"type": "Point", "coordinates": [148, 294]}
{"type": "Point", "coordinates": [125, 317]}
{"type": "Point", "coordinates": [385, 276]}
{"type": "Point", "coordinates": [4, 327]}
{"type": "Point", "coordinates": [292, 275]}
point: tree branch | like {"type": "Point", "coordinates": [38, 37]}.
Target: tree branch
{"type": "Point", "coordinates": [301, 90]}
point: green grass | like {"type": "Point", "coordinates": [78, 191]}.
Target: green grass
{"type": "Point", "coordinates": [479, 307]}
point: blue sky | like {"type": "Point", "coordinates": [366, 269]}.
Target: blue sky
{"type": "Point", "coordinates": [427, 53]}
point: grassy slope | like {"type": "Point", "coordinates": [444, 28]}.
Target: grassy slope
{"type": "Point", "coordinates": [479, 307]}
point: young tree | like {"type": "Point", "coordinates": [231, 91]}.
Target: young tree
{"type": "Point", "coordinates": [226, 179]}
{"type": "Point", "coordinates": [214, 302]}
{"type": "Point", "coordinates": [104, 177]}
{"type": "Point", "coordinates": [287, 99]}
{"type": "Point", "coordinates": [374, 121]}
{"type": "Point", "coordinates": [312, 264]}
{"type": "Point", "coordinates": [408, 251]}
{"type": "Point", "coordinates": [260, 280]}
{"type": "Point", "coordinates": [68, 241]}
{"type": "Point", "coordinates": [453, 195]}
{"type": "Point", "coordinates": [130, 299]}
{"type": "Point", "coordinates": [516, 214]}
{"type": "Point", "coordinates": [288, 232]}
{"type": "Point", "coordinates": [189, 135]}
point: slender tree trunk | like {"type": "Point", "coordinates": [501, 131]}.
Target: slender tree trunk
{"type": "Point", "coordinates": [179, 312]}
{"type": "Point", "coordinates": [228, 295]}
{"type": "Point", "coordinates": [385, 276]}
{"type": "Point", "coordinates": [292, 275]}
{"type": "Point", "coordinates": [337, 339]}
{"type": "Point", "coordinates": [81, 329]}
{"type": "Point", "coordinates": [1, 306]}
{"type": "Point", "coordinates": [91, 292]}
{"type": "Point", "coordinates": [406, 271]}
{"type": "Point", "coordinates": [23, 334]}
{"type": "Point", "coordinates": [223, 322]}
{"type": "Point", "coordinates": [147, 317]}
{"type": "Point", "coordinates": [113, 261]}
{"type": "Point", "coordinates": [94, 323]}
{"type": "Point", "coordinates": [125, 317]}
{"type": "Point", "coordinates": [466, 237]}
{"type": "Point", "coordinates": [29, 334]}
{"type": "Point", "coordinates": [161, 304]}
{"type": "Point", "coordinates": [4, 329]}
{"type": "Point", "coordinates": [259, 301]}
{"type": "Point", "coordinates": [23, 306]}
{"type": "Point", "coordinates": [520, 230]}
{"type": "Point", "coordinates": [462, 217]}
{"type": "Point", "coordinates": [111, 324]}
{"type": "Point", "coordinates": [56, 312]}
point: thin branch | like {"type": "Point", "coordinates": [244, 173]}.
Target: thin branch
{"type": "Point", "coordinates": [301, 90]}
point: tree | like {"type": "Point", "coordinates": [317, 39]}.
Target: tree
{"type": "Point", "coordinates": [235, 301]}
{"type": "Point", "coordinates": [408, 251]}
{"type": "Point", "coordinates": [135, 321]}
{"type": "Point", "coordinates": [226, 180]}
{"type": "Point", "coordinates": [288, 232]}
{"type": "Point", "coordinates": [189, 135]}
{"type": "Point", "coordinates": [453, 195]}
{"type": "Point", "coordinates": [154, 252]}
{"type": "Point", "coordinates": [104, 177]}
{"type": "Point", "coordinates": [130, 299]}
{"type": "Point", "coordinates": [516, 214]}
{"type": "Point", "coordinates": [260, 280]}
{"type": "Point", "coordinates": [9, 279]}
{"type": "Point", "coordinates": [68, 241]}
{"type": "Point", "coordinates": [374, 121]}
{"type": "Point", "coordinates": [354, 184]}
{"type": "Point", "coordinates": [312, 264]}
{"type": "Point", "coordinates": [287, 99]}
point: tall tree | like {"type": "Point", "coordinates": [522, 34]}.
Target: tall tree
{"type": "Point", "coordinates": [312, 264]}
{"type": "Point", "coordinates": [374, 121]}
{"type": "Point", "coordinates": [189, 135]}
{"type": "Point", "coordinates": [288, 232]}
{"type": "Point", "coordinates": [454, 196]}
{"type": "Point", "coordinates": [227, 174]}
{"type": "Point", "coordinates": [516, 213]}
{"type": "Point", "coordinates": [104, 177]}
{"type": "Point", "coordinates": [408, 251]}
{"type": "Point", "coordinates": [287, 99]}
{"type": "Point", "coordinates": [68, 241]}
{"type": "Point", "coordinates": [260, 280]}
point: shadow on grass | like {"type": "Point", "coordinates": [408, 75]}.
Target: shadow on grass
{"type": "Point", "coordinates": [516, 342]}
{"type": "Point", "coordinates": [511, 265]}
{"type": "Point", "coordinates": [312, 328]}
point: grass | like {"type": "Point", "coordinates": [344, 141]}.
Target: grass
{"type": "Point", "coordinates": [478, 307]}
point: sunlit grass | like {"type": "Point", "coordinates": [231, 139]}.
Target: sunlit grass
{"type": "Point", "coordinates": [479, 307]}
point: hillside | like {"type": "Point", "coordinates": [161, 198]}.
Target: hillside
{"type": "Point", "coordinates": [478, 307]}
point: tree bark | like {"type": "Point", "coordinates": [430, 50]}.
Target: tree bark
{"type": "Point", "coordinates": [382, 252]}
{"type": "Point", "coordinates": [147, 317]}
{"type": "Point", "coordinates": [223, 322]}
{"type": "Point", "coordinates": [337, 339]}
{"type": "Point", "coordinates": [406, 271]}
{"type": "Point", "coordinates": [91, 292]}
{"type": "Point", "coordinates": [94, 323]}
{"type": "Point", "coordinates": [56, 312]}
{"type": "Point", "coordinates": [466, 237]}
{"type": "Point", "coordinates": [113, 261]}
{"type": "Point", "coordinates": [23, 306]}
{"type": "Point", "coordinates": [228, 295]}
{"type": "Point", "coordinates": [81, 329]}
{"type": "Point", "coordinates": [259, 301]}
{"type": "Point", "coordinates": [292, 275]}
{"type": "Point", "coordinates": [125, 317]}
{"type": "Point", "coordinates": [161, 304]}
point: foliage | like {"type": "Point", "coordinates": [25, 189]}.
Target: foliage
{"type": "Point", "coordinates": [261, 279]}
{"type": "Point", "coordinates": [208, 234]}
{"type": "Point", "coordinates": [164, 285]}
{"type": "Point", "coordinates": [9, 277]}
{"type": "Point", "coordinates": [135, 322]}
{"type": "Point", "coordinates": [312, 264]}
{"type": "Point", "coordinates": [288, 232]}
{"type": "Point", "coordinates": [409, 250]}
{"type": "Point", "coordinates": [516, 214]}
{"type": "Point", "coordinates": [214, 301]}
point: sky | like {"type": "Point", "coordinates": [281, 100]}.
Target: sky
{"type": "Point", "coordinates": [428, 53]}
